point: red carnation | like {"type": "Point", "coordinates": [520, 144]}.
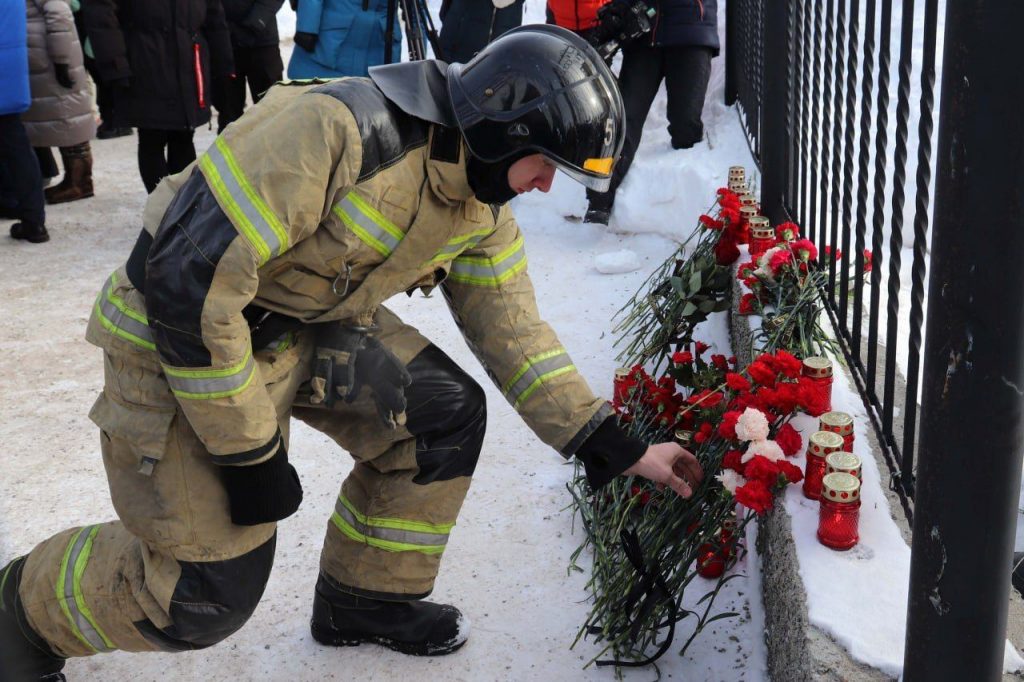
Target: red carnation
{"type": "Point", "coordinates": [682, 357]}
{"type": "Point", "coordinates": [737, 382]}
{"type": "Point", "coordinates": [726, 251]}
{"type": "Point", "coordinates": [786, 363]}
{"type": "Point", "coordinates": [790, 471]}
{"type": "Point", "coordinates": [785, 398]}
{"type": "Point", "coordinates": [700, 347]}
{"type": "Point", "coordinates": [719, 362]}
{"type": "Point", "coordinates": [868, 260]}
{"type": "Point", "coordinates": [727, 427]}
{"type": "Point", "coordinates": [805, 249]}
{"type": "Point", "coordinates": [704, 433]}
{"type": "Point", "coordinates": [730, 215]}
{"type": "Point", "coordinates": [838, 252]}
{"type": "Point", "coordinates": [733, 460]}
{"type": "Point", "coordinates": [779, 260]}
{"type": "Point", "coordinates": [760, 468]}
{"type": "Point", "coordinates": [746, 270]}
{"type": "Point", "coordinates": [787, 232]}
{"type": "Point", "coordinates": [747, 304]}
{"type": "Point", "coordinates": [710, 223]}
{"type": "Point", "coordinates": [789, 440]}
{"type": "Point", "coordinates": [761, 373]}
{"type": "Point", "coordinates": [706, 398]}
{"type": "Point", "coordinates": [755, 495]}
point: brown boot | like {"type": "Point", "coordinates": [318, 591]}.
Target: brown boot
{"type": "Point", "coordinates": [77, 182]}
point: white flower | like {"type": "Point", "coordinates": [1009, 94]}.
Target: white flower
{"type": "Point", "coordinates": [752, 425]}
{"type": "Point", "coordinates": [766, 448]}
{"type": "Point", "coordinates": [764, 270]}
{"type": "Point", "coordinates": [730, 480]}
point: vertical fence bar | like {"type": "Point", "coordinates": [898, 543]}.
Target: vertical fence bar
{"type": "Point", "coordinates": [867, 84]}
{"type": "Point", "coordinates": [848, 149]}
{"type": "Point", "coordinates": [794, 34]}
{"type": "Point", "coordinates": [924, 177]}
{"type": "Point", "coordinates": [774, 109]}
{"type": "Point", "coordinates": [973, 397]}
{"type": "Point", "coordinates": [837, 135]}
{"type": "Point", "coordinates": [878, 214]}
{"type": "Point", "coordinates": [826, 78]}
{"type": "Point", "coordinates": [813, 161]}
{"type": "Point", "coordinates": [896, 237]}
{"type": "Point", "coordinates": [803, 210]}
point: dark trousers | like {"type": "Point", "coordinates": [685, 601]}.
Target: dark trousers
{"type": "Point", "coordinates": [261, 67]}
{"type": "Point", "coordinates": [47, 164]}
{"type": "Point", "coordinates": [21, 186]}
{"type": "Point", "coordinates": [163, 153]}
{"type": "Point", "coordinates": [686, 71]}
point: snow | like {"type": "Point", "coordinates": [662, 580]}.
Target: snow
{"type": "Point", "coordinates": [617, 262]}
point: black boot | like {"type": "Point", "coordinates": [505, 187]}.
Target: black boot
{"type": "Point", "coordinates": [30, 232]}
{"type": "Point", "coordinates": [418, 628]}
{"type": "Point", "coordinates": [24, 656]}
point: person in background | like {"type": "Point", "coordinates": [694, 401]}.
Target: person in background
{"type": "Point", "coordinates": [579, 16]}
{"type": "Point", "coordinates": [335, 38]}
{"type": "Point", "coordinates": [61, 111]}
{"type": "Point", "coordinates": [679, 50]}
{"type": "Point", "coordinates": [21, 188]}
{"type": "Point", "coordinates": [254, 44]}
{"type": "Point", "coordinates": [159, 56]}
{"type": "Point", "coordinates": [104, 93]}
{"type": "Point", "coordinates": [468, 25]}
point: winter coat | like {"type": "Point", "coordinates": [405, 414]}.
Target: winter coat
{"type": "Point", "coordinates": [686, 23]}
{"type": "Point", "coordinates": [59, 116]}
{"type": "Point", "coordinates": [14, 91]}
{"type": "Point", "coordinates": [575, 15]}
{"type": "Point", "coordinates": [253, 23]}
{"type": "Point", "coordinates": [321, 203]}
{"type": "Point", "coordinates": [468, 25]}
{"type": "Point", "coordinates": [349, 39]}
{"type": "Point", "coordinates": [168, 50]}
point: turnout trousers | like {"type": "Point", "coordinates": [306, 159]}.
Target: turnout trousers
{"type": "Point", "coordinates": [173, 573]}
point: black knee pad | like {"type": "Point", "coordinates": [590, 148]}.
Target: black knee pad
{"type": "Point", "coordinates": [213, 599]}
{"type": "Point", "coordinates": [448, 415]}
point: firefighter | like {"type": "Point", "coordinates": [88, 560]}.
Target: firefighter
{"type": "Point", "coordinates": [254, 294]}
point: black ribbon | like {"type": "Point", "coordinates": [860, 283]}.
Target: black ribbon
{"type": "Point", "coordinates": [653, 592]}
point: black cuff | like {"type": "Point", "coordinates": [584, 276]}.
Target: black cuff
{"type": "Point", "coordinates": [264, 492]}
{"type": "Point", "coordinates": [607, 452]}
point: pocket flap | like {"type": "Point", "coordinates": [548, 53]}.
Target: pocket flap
{"type": "Point", "coordinates": [145, 428]}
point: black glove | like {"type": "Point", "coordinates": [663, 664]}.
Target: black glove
{"type": "Point", "coordinates": [264, 492]}
{"type": "Point", "coordinates": [307, 41]}
{"type": "Point", "coordinates": [64, 75]}
{"type": "Point", "coordinates": [607, 452]}
{"type": "Point", "coordinates": [346, 359]}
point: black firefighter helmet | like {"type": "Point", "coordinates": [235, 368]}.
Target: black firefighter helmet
{"type": "Point", "coordinates": [543, 89]}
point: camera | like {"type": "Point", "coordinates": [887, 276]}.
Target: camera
{"type": "Point", "coordinates": [619, 23]}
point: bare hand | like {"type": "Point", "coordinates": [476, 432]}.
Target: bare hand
{"type": "Point", "coordinates": [669, 464]}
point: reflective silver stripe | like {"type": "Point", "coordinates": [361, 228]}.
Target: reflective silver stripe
{"type": "Point", "coordinates": [366, 228]}
{"type": "Point", "coordinates": [534, 374]}
{"type": "Point", "coordinates": [405, 537]}
{"type": "Point", "coordinates": [242, 201]}
{"type": "Point", "coordinates": [492, 272]}
{"type": "Point", "coordinates": [83, 624]}
{"type": "Point", "coordinates": [454, 248]}
{"type": "Point", "coordinates": [121, 320]}
{"type": "Point", "coordinates": [212, 383]}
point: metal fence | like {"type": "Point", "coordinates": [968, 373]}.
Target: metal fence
{"type": "Point", "coordinates": [838, 101]}
{"type": "Point", "coordinates": [813, 83]}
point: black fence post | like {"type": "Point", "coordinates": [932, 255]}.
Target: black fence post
{"type": "Point", "coordinates": [972, 417]}
{"type": "Point", "coordinates": [731, 52]}
{"type": "Point", "coordinates": [773, 132]}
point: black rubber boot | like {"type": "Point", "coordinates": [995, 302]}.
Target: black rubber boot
{"type": "Point", "coordinates": [30, 232]}
{"type": "Point", "coordinates": [24, 656]}
{"type": "Point", "coordinates": [597, 216]}
{"type": "Point", "coordinates": [417, 628]}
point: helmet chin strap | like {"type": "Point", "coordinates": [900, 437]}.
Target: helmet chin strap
{"type": "Point", "coordinates": [489, 180]}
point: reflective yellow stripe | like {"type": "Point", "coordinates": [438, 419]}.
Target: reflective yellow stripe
{"type": "Point", "coordinates": [69, 591]}
{"type": "Point", "coordinates": [119, 319]}
{"type": "Point", "coordinates": [207, 384]}
{"type": "Point", "coordinates": [457, 245]}
{"type": "Point", "coordinates": [369, 224]}
{"type": "Point", "coordinates": [246, 208]}
{"type": "Point", "coordinates": [393, 535]}
{"type": "Point", "coordinates": [490, 271]}
{"type": "Point", "coordinates": [535, 371]}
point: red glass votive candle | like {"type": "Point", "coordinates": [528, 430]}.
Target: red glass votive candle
{"type": "Point", "coordinates": [819, 446]}
{"type": "Point", "coordinates": [737, 173]}
{"type": "Point", "coordinates": [746, 213]}
{"type": "Point", "coordinates": [839, 514]}
{"type": "Point", "coordinates": [715, 556]}
{"type": "Point", "coordinates": [819, 371]}
{"type": "Point", "coordinates": [841, 423]}
{"type": "Point", "coordinates": [762, 236]}
{"type": "Point", "coordinates": [844, 463]}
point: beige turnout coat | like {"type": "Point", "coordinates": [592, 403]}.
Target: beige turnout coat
{"type": "Point", "coordinates": [328, 201]}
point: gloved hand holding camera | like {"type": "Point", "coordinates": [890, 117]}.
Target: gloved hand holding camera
{"type": "Point", "coordinates": [347, 358]}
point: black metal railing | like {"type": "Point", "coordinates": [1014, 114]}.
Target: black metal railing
{"type": "Point", "coordinates": [812, 83]}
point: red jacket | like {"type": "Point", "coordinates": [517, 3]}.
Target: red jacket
{"type": "Point", "coordinates": [575, 15]}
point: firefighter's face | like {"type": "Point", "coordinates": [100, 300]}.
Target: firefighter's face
{"type": "Point", "coordinates": [530, 173]}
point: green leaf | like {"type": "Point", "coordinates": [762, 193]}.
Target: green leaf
{"type": "Point", "coordinates": [677, 286]}
{"type": "Point", "coordinates": [706, 306]}
{"type": "Point", "coordinates": [720, 616]}
{"type": "Point", "coordinates": [695, 282]}
{"type": "Point", "coordinates": [723, 305]}
{"type": "Point", "coordinates": [688, 309]}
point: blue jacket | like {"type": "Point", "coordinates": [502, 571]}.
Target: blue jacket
{"type": "Point", "coordinates": [686, 22]}
{"type": "Point", "coordinates": [349, 39]}
{"type": "Point", "coordinates": [14, 92]}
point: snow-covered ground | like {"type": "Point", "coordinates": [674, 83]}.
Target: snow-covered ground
{"type": "Point", "coordinates": [506, 565]}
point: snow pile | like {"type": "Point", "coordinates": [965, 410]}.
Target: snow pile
{"type": "Point", "coordinates": [617, 262]}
